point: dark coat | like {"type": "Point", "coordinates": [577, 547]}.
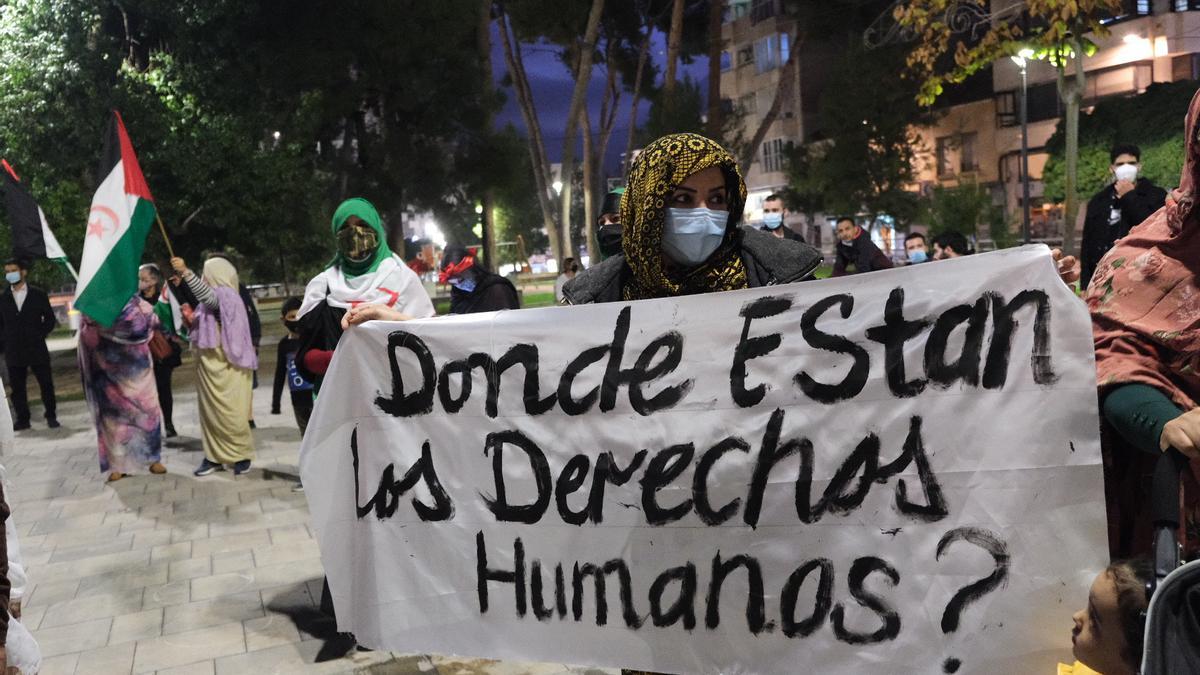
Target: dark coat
{"type": "Point", "coordinates": [768, 260]}
{"type": "Point", "coordinates": [492, 293]}
{"type": "Point", "coordinates": [1099, 235]}
{"type": "Point", "coordinates": [25, 332]}
{"type": "Point", "coordinates": [862, 255]}
{"type": "Point", "coordinates": [251, 314]}
{"type": "Point", "coordinates": [788, 233]}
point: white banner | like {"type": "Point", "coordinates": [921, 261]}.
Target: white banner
{"type": "Point", "coordinates": [897, 472]}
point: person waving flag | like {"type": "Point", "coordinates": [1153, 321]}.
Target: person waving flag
{"type": "Point", "coordinates": [120, 218]}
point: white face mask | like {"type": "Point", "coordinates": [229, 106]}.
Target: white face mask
{"type": "Point", "coordinates": [1127, 172]}
{"type": "Point", "coordinates": [691, 235]}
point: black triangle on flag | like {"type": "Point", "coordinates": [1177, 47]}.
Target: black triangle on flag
{"type": "Point", "coordinates": [24, 217]}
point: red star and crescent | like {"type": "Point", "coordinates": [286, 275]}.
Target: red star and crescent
{"type": "Point", "coordinates": [97, 216]}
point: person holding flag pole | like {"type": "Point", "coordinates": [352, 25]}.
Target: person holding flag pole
{"type": "Point", "coordinates": [114, 351]}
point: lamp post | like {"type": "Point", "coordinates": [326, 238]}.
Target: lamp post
{"type": "Point", "coordinates": [1021, 59]}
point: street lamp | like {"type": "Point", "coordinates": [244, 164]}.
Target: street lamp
{"type": "Point", "coordinates": [557, 185]}
{"type": "Point", "coordinates": [1021, 58]}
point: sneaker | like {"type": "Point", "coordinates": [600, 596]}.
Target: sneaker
{"type": "Point", "coordinates": [53, 423]}
{"type": "Point", "coordinates": [206, 468]}
{"type": "Point", "coordinates": [241, 467]}
{"type": "Point", "coordinates": [171, 433]}
{"type": "Point", "coordinates": [298, 487]}
{"type": "Point", "coordinates": [253, 425]}
{"type": "Point", "coordinates": [20, 426]}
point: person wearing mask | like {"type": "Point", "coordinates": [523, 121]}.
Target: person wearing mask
{"type": "Point", "coordinates": [473, 288]}
{"type": "Point", "coordinates": [608, 225]}
{"type": "Point", "coordinates": [569, 269]}
{"type": "Point", "coordinates": [774, 216]}
{"type": "Point", "coordinates": [855, 252]}
{"type": "Point", "coordinates": [951, 244]}
{"type": "Point", "coordinates": [153, 289]}
{"type": "Point", "coordinates": [300, 389]}
{"type": "Point", "coordinates": [119, 384]}
{"type": "Point", "coordinates": [1114, 210]}
{"type": "Point", "coordinates": [225, 361]}
{"type": "Point", "coordinates": [693, 243]}
{"type": "Point", "coordinates": [364, 275]}
{"type": "Point", "coordinates": [365, 279]}
{"type": "Point", "coordinates": [26, 320]}
{"type": "Point", "coordinates": [915, 248]}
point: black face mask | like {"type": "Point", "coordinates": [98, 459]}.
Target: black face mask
{"type": "Point", "coordinates": [608, 238]}
{"type": "Point", "coordinates": [293, 326]}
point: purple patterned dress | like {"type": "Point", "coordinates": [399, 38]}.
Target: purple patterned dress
{"type": "Point", "coordinates": [118, 380]}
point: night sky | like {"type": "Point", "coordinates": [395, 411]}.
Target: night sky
{"type": "Point", "coordinates": [552, 86]}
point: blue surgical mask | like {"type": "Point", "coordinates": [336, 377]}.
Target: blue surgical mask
{"type": "Point", "coordinates": [12, 277]}
{"type": "Point", "coordinates": [772, 221]}
{"type": "Point", "coordinates": [917, 256]}
{"type": "Point", "coordinates": [691, 235]}
{"type": "Point", "coordinates": [465, 284]}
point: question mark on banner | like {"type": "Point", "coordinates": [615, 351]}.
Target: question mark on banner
{"type": "Point", "coordinates": [975, 590]}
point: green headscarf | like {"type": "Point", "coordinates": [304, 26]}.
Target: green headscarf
{"type": "Point", "coordinates": [357, 206]}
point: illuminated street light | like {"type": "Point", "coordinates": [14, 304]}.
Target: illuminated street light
{"type": "Point", "coordinates": [1020, 58]}
{"type": "Point", "coordinates": [557, 185]}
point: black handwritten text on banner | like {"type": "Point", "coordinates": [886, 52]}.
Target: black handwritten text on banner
{"type": "Point", "coordinates": [896, 468]}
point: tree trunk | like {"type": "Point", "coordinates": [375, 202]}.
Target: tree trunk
{"type": "Point", "coordinates": [484, 38]}
{"type": "Point", "coordinates": [674, 42]}
{"type": "Point", "coordinates": [583, 74]}
{"type": "Point", "coordinates": [589, 189]}
{"type": "Point", "coordinates": [643, 52]}
{"type": "Point", "coordinates": [787, 80]}
{"type": "Point", "coordinates": [716, 14]}
{"type": "Point", "coordinates": [1073, 100]}
{"type": "Point", "coordinates": [537, 150]}
{"type": "Point", "coordinates": [608, 120]}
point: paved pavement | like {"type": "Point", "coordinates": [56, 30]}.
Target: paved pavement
{"type": "Point", "coordinates": [179, 575]}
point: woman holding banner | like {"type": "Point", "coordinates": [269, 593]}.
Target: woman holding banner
{"type": "Point", "coordinates": [364, 273]}
{"type": "Point", "coordinates": [221, 334]}
{"type": "Point", "coordinates": [118, 383]}
{"type": "Point", "coordinates": [1146, 325]}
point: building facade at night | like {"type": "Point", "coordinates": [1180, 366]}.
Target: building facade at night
{"type": "Point", "coordinates": [979, 141]}
{"type": "Point", "coordinates": [977, 134]}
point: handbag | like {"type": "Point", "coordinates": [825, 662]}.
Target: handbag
{"type": "Point", "coordinates": [160, 346]}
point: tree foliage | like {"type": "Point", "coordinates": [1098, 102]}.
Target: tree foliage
{"type": "Point", "coordinates": [251, 119]}
{"type": "Point", "coordinates": [867, 161]}
{"type": "Point", "coordinates": [967, 209]}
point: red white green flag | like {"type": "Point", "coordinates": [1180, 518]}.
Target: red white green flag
{"type": "Point", "coordinates": [121, 216]}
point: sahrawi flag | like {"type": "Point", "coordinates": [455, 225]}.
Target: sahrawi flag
{"type": "Point", "coordinates": [31, 235]}
{"type": "Point", "coordinates": [121, 216]}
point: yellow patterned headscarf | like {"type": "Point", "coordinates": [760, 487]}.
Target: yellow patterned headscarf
{"type": "Point", "coordinates": [658, 170]}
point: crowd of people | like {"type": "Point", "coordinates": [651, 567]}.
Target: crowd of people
{"type": "Point", "coordinates": [675, 229]}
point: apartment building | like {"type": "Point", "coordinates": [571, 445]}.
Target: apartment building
{"type": "Point", "coordinates": [980, 140]}
{"type": "Point", "coordinates": [756, 34]}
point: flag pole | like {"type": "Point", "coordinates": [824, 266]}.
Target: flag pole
{"type": "Point", "coordinates": [161, 228]}
{"type": "Point", "coordinates": [70, 268]}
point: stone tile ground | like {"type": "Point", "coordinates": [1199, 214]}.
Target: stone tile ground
{"type": "Point", "coordinates": [178, 575]}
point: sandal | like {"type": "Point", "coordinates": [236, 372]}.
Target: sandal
{"type": "Point", "coordinates": [115, 476]}
{"type": "Point", "coordinates": [158, 468]}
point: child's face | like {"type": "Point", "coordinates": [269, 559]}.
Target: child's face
{"type": "Point", "coordinates": [1098, 637]}
{"type": "Point", "coordinates": [291, 315]}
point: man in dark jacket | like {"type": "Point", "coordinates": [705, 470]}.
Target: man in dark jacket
{"type": "Point", "coordinates": [26, 320]}
{"type": "Point", "coordinates": [856, 253]}
{"type": "Point", "coordinates": [473, 288]}
{"type": "Point", "coordinates": [1116, 209]}
{"type": "Point", "coordinates": [774, 219]}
